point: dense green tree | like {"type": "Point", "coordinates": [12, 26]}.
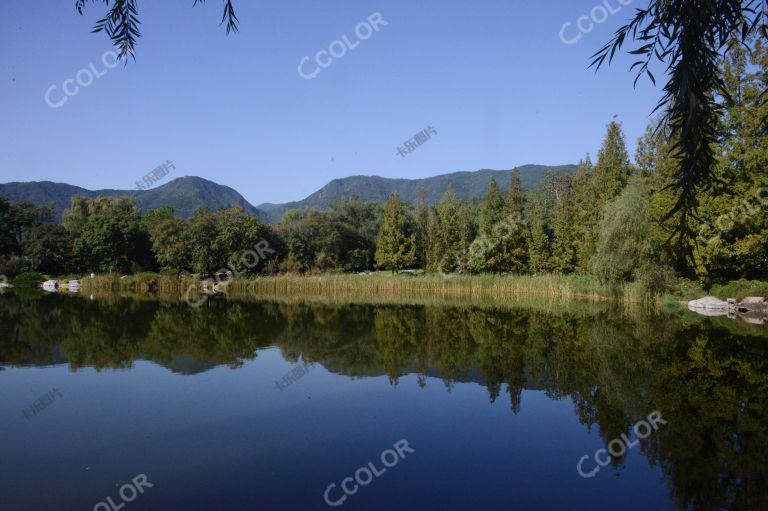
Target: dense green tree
{"type": "Point", "coordinates": [24, 228]}
{"type": "Point", "coordinates": [538, 237]}
{"type": "Point", "coordinates": [357, 223]}
{"type": "Point", "coordinates": [625, 250]}
{"type": "Point", "coordinates": [691, 38]}
{"type": "Point", "coordinates": [396, 243]}
{"type": "Point", "coordinates": [422, 226]}
{"type": "Point", "coordinates": [245, 243]}
{"type": "Point", "coordinates": [502, 242]}
{"type": "Point", "coordinates": [46, 248]}
{"type": "Point", "coordinates": [733, 232]}
{"type": "Point", "coordinates": [451, 233]}
{"type": "Point", "coordinates": [583, 215]}
{"type": "Point", "coordinates": [169, 243]}
{"type": "Point", "coordinates": [514, 200]}
{"type": "Point", "coordinates": [433, 253]}
{"type": "Point", "coordinates": [343, 238]}
{"type": "Point", "coordinates": [226, 239]}
{"type": "Point", "coordinates": [106, 234]}
{"type": "Point", "coordinates": [604, 182]}
{"type": "Point", "coordinates": [612, 169]}
{"type": "Point", "coordinates": [564, 256]}
{"type": "Point", "coordinates": [491, 211]}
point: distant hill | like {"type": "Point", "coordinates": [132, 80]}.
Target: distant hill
{"type": "Point", "coordinates": [188, 194]}
{"type": "Point", "coordinates": [467, 185]}
{"type": "Point", "coordinates": [185, 194]}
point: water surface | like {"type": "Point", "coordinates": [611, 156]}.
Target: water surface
{"type": "Point", "coordinates": [264, 405]}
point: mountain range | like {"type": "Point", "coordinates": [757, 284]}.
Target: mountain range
{"type": "Point", "coordinates": [187, 194]}
{"type": "Point", "coordinates": [467, 185]}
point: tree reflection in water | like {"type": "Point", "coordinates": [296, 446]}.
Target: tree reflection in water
{"type": "Point", "coordinates": [708, 377]}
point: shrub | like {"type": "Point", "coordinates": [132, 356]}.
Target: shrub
{"type": "Point", "coordinates": [29, 278]}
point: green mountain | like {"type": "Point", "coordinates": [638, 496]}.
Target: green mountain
{"type": "Point", "coordinates": [467, 185]}
{"type": "Point", "coordinates": [185, 194]}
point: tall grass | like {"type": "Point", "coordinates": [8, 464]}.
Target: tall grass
{"type": "Point", "coordinates": [385, 287]}
{"type": "Point", "coordinates": [147, 283]}
{"type": "Point", "coordinates": [475, 288]}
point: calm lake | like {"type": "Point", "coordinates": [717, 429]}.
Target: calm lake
{"type": "Point", "coordinates": [129, 404]}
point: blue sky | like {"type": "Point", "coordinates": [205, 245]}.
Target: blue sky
{"type": "Point", "coordinates": [493, 78]}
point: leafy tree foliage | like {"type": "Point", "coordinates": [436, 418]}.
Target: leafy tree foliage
{"type": "Point", "coordinates": [396, 243]}
{"type": "Point", "coordinates": [46, 248]}
{"type": "Point", "coordinates": [29, 241]}
{"type": "Point", "coordinates": [343, 238]}
{"type": "Point", "coordinates": [625, 249]}
{"type": "Point", "coordinates": [733, 226]}
{"type": "Point", "coordinates": [692, 38]}
{"type": "Point", "coordinates": [610, 219]}
{"type": "Point", "coordinates": [106, 234]}
{"type": "Point", "coordinates": [502, 242]}
{"type": "Point", "coordinates": [121, 22]}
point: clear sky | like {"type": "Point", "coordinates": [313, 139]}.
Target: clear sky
{"type": "Point", "coordinates": [493, 77]}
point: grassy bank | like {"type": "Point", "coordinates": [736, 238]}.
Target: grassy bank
{"type": "Point", "coordinates": [403, 288]}
{"type": "Point", "coordinates": [482, 288]}
{"type": "Point", "coordinates": [141, 283]}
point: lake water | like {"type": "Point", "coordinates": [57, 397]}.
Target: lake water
{"type": "Point", "coordinates": [149, 405]}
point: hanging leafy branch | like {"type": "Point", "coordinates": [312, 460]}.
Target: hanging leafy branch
{"type": "Point", "coordinates": [121, 23]}
{"type": "Point", "coordinates": [691, 37]}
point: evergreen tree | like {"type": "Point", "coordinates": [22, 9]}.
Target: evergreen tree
{"type": "Point", "coordinates": [491, 210]}
{"type": "Point", "coordinates": [612, 169]}
{"type": "Point", "coordinates": [451, 234]}
{"type": "Point", "coordinates": [538, 239]}
{"type": "Point", "coordinates": [583, 214]}
{"type": "Point", "coordinates": [514, 202]}
{"type": "Point", "coordinates": [432, 250]}
{"type": "Point", "coordinates": [607, 179]}
{"type": "Point", "coordinates": [646, 153]}
{"type": "Point", "coordinates": [396, 243]}
{"type": "Point", "coordinates": [563, 258]}
{"type": "Point", "coordinates": [423, 238]}
{"type": "Point", "coordinates": [502, 246]}
{"type": "Point", "coordinates": [733, 234]}
{"type": "Point", "coordinates": [676, 249]}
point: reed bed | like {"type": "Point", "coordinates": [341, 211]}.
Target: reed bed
{"type": "Point", "coordinates": [398, 287]}
{"type": "Point", "coordinates": [141, 283]}
{"type": "Point", "coordinates": [385, 287]}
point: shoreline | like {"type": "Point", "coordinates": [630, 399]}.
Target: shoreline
{"type": "Point", "coordinates": [403, 288]}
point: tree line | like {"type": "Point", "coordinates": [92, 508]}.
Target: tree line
{"type": "Point", "coordinates": [609, 219]}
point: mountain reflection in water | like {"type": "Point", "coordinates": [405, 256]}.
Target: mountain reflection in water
{"type": "Point", "coordinates": [707, 377]}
